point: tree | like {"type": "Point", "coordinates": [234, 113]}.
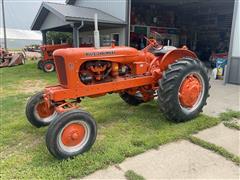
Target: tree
{"type": "Point", "coordinates": [58, 37]}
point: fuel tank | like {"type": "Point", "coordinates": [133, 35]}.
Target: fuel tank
{"type": "Point", "coordinates": [120, 54]}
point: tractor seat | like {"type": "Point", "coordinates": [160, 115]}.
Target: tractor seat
{"type": "Point", "coordinates": [164, 50]}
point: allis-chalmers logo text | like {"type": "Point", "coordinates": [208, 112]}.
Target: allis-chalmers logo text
{"type": "Point", "coordinates": [106, 53]}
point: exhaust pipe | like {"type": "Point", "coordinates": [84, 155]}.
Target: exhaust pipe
{"type": "Point", "coordinates": [96, 32]}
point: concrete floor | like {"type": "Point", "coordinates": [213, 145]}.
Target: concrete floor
{"type": "Point", "coordinates": [176, 160]}
{"type": "Point", "coordinates": [184, 160]}
{"type": "Point", "coordinates": [222, 136]}
{"type": "Point", "coordinates": [222, 98]}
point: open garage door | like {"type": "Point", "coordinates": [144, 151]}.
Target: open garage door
{"type": "Point", "coordinates": [203, 25]}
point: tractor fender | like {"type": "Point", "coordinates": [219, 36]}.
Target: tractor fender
{"type": "Point", "coordinates": [171, 56]}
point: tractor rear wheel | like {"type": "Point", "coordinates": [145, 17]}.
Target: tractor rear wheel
{"type": "Point", "coordinates": [132, 100]}
{"type": "Point", "coordinates": [48, 66]}
{"type": "Point", "coordinates": [71, 134]}
{"type": "Point", "coordinates": [40, 64]}
{"type": "Point", "coordinates": [38, 113]}
{"type": "Point", "coordinates": [183, 90]}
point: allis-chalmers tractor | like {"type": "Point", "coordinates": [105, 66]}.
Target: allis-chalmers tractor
{"type": "Point", "coordinates": [47, 62]}
{"type": "Point", "coordinates": [180, 79]}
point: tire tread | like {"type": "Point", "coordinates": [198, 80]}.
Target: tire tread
{"type": "Point", "coordinates": [168, 84]}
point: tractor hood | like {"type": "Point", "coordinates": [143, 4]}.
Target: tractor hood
{"type": "Point", "coordinates": [104, 53]}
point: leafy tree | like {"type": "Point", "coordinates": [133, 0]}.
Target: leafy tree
{"type": "Point", "coordinates": [58, 37]}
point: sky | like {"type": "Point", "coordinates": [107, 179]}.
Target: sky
{"type": "Point", "coordinates": [21, 13]}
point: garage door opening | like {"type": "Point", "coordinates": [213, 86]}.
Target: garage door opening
{"type": "Point", "coordinates": [204, 26]}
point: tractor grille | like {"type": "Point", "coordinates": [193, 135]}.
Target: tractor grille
{"type": "Point", "coordinates": [61, 70]}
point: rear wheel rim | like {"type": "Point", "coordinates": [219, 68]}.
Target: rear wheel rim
{"type": "Point", "coordinates": [191, 92]}
{"type": "Point", "coordinates": [74, 136]}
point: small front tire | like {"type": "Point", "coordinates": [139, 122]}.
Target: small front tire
{"type": "Point", "coordinates": [37, 112]}
{"type": "Point", "coordinates": [48, 66]}
{"type": "Point", "coordinates": [72, 133]}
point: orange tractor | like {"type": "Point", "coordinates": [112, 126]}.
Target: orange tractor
{"type": "Point", "coordinates": [47, 63]}
{"type": "Point", "coordinates": [179, 78]}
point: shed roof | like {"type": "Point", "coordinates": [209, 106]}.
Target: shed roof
{"type": "Point", "coordinates": [70, 13]}
{"type": "Point", "coordinates": [70, 2]}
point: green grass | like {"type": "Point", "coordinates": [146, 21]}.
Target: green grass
{"type": "Point", "coordinates": [123, 130]}
{"type": "Point", "coordinates": [228, 119]}
{"type": "Point", "coordinates": [232, 125]}
{"type": "Point", "coordinates": [131, 175]}
{"type": "Point", "coordinates": [216, 149]}
{"type": "Point", "coordinates": [229, 115]}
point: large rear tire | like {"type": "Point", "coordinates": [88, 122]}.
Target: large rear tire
{"type": "Point", "coordinates": [132, 100]}
{"type": "Point", "coordinates": [40, 64]}
{"type": "Point", "coordinates": [183, 90]}
{"type": "Point", "coordinates": [72, 133]}
{"type": "Point", "coordinates": [37, 113]}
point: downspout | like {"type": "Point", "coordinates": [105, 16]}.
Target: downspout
{"type": "Point", "coordinates": [80, 27]}
{"type": "Point", "coordinates": [76, 37]}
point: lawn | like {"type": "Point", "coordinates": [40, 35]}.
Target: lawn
{"type": "Point", "coordinates": [123, 130]}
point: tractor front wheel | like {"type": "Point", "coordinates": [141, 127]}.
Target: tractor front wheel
{"type": "Point", "coordinates": [71, 134]}
{"type": "Point", "coordinates": [183, 90]}
{"type": "Point", "coordinates": [48, 66]}
{"type": "Point", "coordinates": [133, 100]}
{"type": "Point", "coordinates": [38, 113]}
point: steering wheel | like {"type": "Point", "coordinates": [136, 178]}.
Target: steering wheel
{"type": "Point", "coordinates": [154, 44]}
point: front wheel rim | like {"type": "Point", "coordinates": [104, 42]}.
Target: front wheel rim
{"type": "Point", "coordinates": [49, 67]}
{"type": "Point", "coordinates": [191, 92]}
{"type": "Point", "coordinates": [43, 113]}
{"type": "Point", "coordinates": [74, 136]}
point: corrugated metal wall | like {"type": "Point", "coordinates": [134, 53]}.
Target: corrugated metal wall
{"type": "Point", "coordinates": [233, 68]}
{"type": "Point", "coordinates": [116, 8]}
